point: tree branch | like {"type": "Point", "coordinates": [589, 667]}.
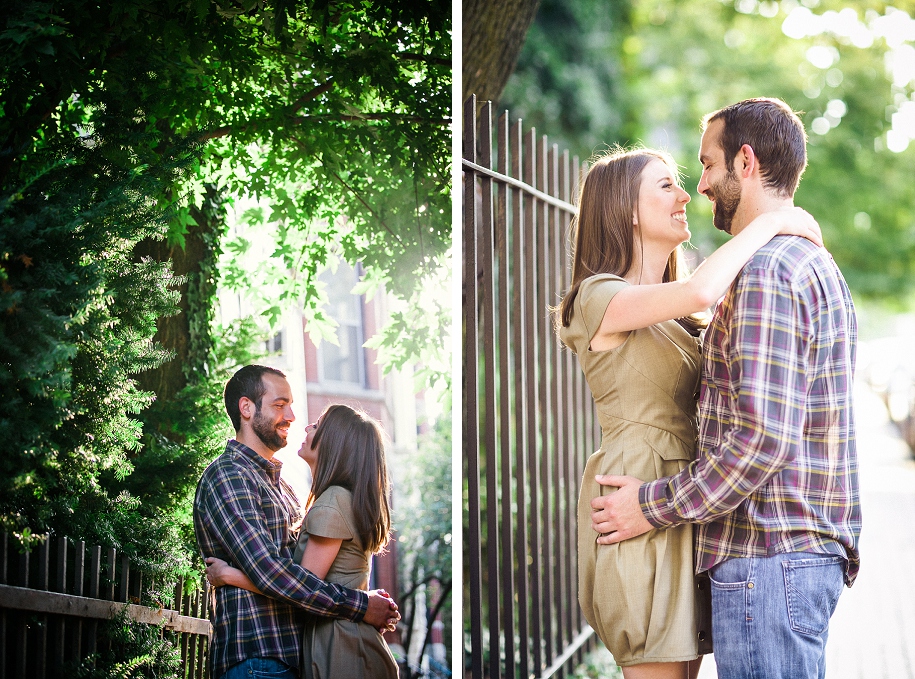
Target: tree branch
{"type": "Point", "coordinates": [415, 588]}
{"type": "Point", "coordinates": [419, 224]}
{"type": "Point", "coordinates": [400, 117]}
{"type": "Point", "coordinates": [218, 132]}
{"type": "Point", "coordinates": [369, 208]}
{"type": "Point", "coordinates": [410, 56]}
{"type": "Point", "coordinates": [430, 618]}
{"type": "Point", "coordinates": [312, 94]}
{"type": "Point", "coordinates": [226, 130]}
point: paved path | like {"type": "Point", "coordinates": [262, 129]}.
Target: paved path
{"type": "Point", "coordinates": [872, 635]}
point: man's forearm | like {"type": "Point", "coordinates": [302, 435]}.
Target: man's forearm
{"type": "Point", "coordinates": [717, 483]}
{"type": "Point", "coordinates": [286, 581]}
{"type": "Point", "coordinates": [248, 548]}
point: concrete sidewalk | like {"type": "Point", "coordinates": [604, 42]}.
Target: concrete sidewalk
{"type": "Point", "coordinates": [872, 634]}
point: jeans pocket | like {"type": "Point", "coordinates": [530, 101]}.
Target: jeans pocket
{"type": "Point", "coordinates": [271, 674]}
{"type": "Point", "coordinates": [267, 668]}
{"type": "Point", "coordinates": [812, 589]}
{"type": "Point", "coordinates": [732, 574]}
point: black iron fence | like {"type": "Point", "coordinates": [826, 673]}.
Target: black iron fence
{"type": "Point", "coordinates": [529, 418]}
{"type": "Point", "coordinates": [54, 598]}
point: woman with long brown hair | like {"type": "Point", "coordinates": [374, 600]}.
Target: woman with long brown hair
{"type": "Point", "coordinates": [347, 520]}
{"type": "Point", "coordinates": [632, 316]}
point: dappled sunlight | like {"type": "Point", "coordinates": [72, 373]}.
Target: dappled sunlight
{"type": "Point", "coordinates": [895, 27]}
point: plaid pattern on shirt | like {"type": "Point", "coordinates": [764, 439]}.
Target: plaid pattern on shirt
{"type": "Point", "coordinates": [243, 514]}
{"type": "Point", "coordinates": [776, 468]}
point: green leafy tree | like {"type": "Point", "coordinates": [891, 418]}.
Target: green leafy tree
{"type": "Point", "coordinates": [341, 131]}
{"type": "Point", "coordinates": [79, 313]}
{"type": "Point", "coordinates": [656, 67]}
{"type": "Point", "coordinates": [124, 127]}
{"type": "Point", "coordinates": [572, 80]}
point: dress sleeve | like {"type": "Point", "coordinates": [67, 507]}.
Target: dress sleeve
{"type": "Point", "coordinates": [328, 515]}
{"type": "Point", "coordinates": [594, 295]}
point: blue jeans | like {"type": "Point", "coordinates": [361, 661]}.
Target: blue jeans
{"type": "Point", "coordinates": [770, 616]}
{"type": "Point", "coordinates": [261, 668]}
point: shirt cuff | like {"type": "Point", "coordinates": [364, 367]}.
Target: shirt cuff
{"type": "Point", "coordinates": [656, 506]}
{"type": "Point", "coordinates": [362, 605]}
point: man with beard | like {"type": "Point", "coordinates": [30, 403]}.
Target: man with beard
{"type": "Point", "coordinates": [774, 486]}
{"type": "Point", "coordinates": [243, 514]}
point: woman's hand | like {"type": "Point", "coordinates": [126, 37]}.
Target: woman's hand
{"type": "Point", "coordinates": [217, 570]}
{"type": "Point", "coordinates": [220, 573]}
{"type": "Point", "coordinates": [792, 221]}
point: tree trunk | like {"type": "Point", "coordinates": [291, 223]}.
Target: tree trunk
{"type": "Point", "coordinates": [187, 332]}
{"type": "Point", "coordinates": [172, 332]}
{"type": "Point", "coordinates": [493, 34]}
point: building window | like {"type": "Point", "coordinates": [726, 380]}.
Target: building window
{"type": "Point", "coordinates": [274, 345]}
{"type": "Point", "coordinates": [344, 363]}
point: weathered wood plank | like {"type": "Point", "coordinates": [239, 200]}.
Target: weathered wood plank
{"type": "Point", "coordinates": [24, 599]}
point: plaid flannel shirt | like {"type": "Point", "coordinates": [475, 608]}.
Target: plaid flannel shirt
{"type": "Point", "coordinates": [776, 468]}
{"type": "Point", "coordinates": [243, 514]}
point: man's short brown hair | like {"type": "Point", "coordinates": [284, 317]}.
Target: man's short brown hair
{"type": "Point", "coordinates": [773, 131]}
{"type": "Point", "coordinates": [247, 382]}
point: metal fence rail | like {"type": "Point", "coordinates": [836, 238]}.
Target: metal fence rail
{"type": "Point", "coordinates": [54, 597]}
{"type": "Point", "coordinates": [529, 419]}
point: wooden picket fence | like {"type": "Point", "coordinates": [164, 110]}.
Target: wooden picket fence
{"type": "Point", "coordinates": [54, 598]}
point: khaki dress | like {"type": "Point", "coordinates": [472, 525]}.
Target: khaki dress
{"type": "Point", "coordinates": [341, 648]}
{"type": "Point", "coordinates": [638, 595]}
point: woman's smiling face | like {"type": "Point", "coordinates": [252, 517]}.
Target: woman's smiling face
{"type": "Point", "coordinates": [661, 210]}
{"type": "Point", "coordinates": [308, 451]}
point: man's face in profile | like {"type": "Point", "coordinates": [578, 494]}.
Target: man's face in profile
{"type": "Point", "coordinates": [718, 184]}
{"type": "Point", "coordinates": [273, 414]}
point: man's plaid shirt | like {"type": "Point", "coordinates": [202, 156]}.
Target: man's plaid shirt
{"type": "Point", "coordinates": [243, 514]}
{"type": "Point", "coordinates": [776, 468]}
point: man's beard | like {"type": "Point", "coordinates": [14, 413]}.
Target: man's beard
{"type": "Point", "coordinates": [726, 195]}
{"type": "Point", "coordinates": [266, 432]}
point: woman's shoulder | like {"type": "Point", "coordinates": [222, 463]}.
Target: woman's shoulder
{"type": "Point", "coordinates": [602, 280]}
{"type": "Point", "coordinates": [600, 287]}
{"type": "Point", "coordinates": [331, 514]}
{"type": "Point", "coordinates": [599, 278]}
{"type": "Point", "coordinates": [594, 294]}
{"type": "Point", "coordinates": [335, 496]}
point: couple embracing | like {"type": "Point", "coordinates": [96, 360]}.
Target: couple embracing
{"type": "Point", "coordinates": [764, 500]}
{"type": "Point", "coordinates": [290, 597]}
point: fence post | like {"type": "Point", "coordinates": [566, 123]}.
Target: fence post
{"type": "Point", "coordinates": [505, 429]}
{"type": "Point", "coordinates": [59, 624]}
{"type": "Point", "coordinates": [534, 422]}
{"type": "Point", "coordinates": [124, 586]}
{"type": "Point", "coordinates": [95, 570]}
{"type": "Point", "coordinates": [79, 576]}
{"type": "Point", "coordinates": [472, 550]}
{"type": "Point", "coordinates": [112, 573]}
{"type": "Point", "coordinates": [192, 642]}
{"type": "Point", "coordinates": [484, 277]}
{"type": "Point", "coordinates": [40, 656]}
{"type": "Point", "coordinates": [519, 306]}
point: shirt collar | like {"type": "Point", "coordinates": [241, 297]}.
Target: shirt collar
{"type": "Point", "coordinates": [271, 467]}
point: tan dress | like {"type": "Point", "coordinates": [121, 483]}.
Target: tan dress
{"type": "Point", "coordinates": [341, 648]}
{"type": "Point", "coordinates": [638, 595]}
